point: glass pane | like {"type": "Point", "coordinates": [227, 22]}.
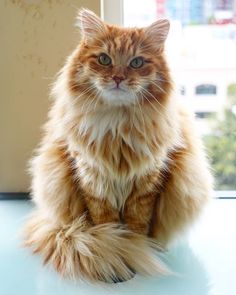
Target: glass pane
{"type": "Point", "coordinates": [201, 49]}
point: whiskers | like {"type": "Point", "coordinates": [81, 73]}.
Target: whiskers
{"type": "Point", "coordinates": [145, 94]}
{"type": "Point", "coordinates": [143, 125]}
{"type": "Point", "coordinates": [158, 86]}
{"type": "Point", "coordinates": [152, 98]}
{"type": "Point", "coordinates": [87, 99]}
{"type": "Point", "coordinates": [91, 102]}
{"type": "Point", "coordinates": [87, 66]}
{"type": "Point", "coordinates": [90, 95]}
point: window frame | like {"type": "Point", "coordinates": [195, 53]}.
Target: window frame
{"type": "Point", "coordinates": [112, 11]}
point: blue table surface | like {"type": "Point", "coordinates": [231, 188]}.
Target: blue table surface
{"type": "Point", "coordinates": [204, 263]}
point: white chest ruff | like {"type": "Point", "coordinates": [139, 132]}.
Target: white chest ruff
{"type": "Point", "coordinates": [99, 180]}
{"type": "Point", "coordinates": [104, 185]}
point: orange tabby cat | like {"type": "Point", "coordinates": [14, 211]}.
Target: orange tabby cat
{"type": "Point", "coordinates": [120, 165]}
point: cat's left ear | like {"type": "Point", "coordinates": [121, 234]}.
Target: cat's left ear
{"type": "Point", "coordinates": [90, 24]}
{"type": "Point", "coordinates": [158, 31]}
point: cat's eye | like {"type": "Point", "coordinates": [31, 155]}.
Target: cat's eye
{"type": "Point", "coordinates": [137, 62]}
{"type": "Point", "coordinates": [104, 59]}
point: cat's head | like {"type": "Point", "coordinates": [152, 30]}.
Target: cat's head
{"type": "Point", "coordinates": [120, 65]}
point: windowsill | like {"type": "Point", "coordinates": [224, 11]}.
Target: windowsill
{"type": "Point", "coordinates": [25, 196]}
{"type": "Point", "coordinates": [225, 194]}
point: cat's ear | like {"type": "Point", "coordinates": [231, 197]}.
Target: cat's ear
{"type": "Point", "coordinates": [158, 31]}
{"type": "Point", "coordinates": [90, 24]}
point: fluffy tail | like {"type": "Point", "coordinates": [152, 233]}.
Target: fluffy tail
{"type": "Point", "coordinates": [106, 252]}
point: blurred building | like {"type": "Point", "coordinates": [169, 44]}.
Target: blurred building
{"type": "Point", "coordinates": [198, 11]}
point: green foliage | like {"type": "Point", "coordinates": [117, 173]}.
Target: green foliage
{"type": "Point", "coordinates": [231, 91]}
{"type": "Point", "coordinates": [221, 144]}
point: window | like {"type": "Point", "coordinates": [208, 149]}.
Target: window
{"type": "Point", "coordinates": [206, 89]}
{"type": "Point", "coordinates": [202, 115]}
{"type": "Point", "coordinates": [201, 47]}
{"type": "Point", "coordinates": [182, 90]}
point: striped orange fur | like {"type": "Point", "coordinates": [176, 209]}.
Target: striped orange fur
{"type": "Point", "coordinates": [120, 169]}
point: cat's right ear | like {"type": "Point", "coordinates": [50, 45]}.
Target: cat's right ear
{"type": "Point", "coordinates": [90, 24]}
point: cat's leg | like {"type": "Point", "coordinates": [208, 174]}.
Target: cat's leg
{"type": "Point", "coordinates": [54, 186]}
{"type": "Point", "coordinates": [138, 212]}
{"type": "Point", "coordinates": [101, 210]}
{"type": "Point", "coordinates": [60, 214]}
{"type": "Point", "coordinates": [185, 192]}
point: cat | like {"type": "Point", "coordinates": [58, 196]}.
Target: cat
{"type": "Point", "coordinates": [120, 171]}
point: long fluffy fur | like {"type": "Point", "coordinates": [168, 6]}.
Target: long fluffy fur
{"type": "Point", "coordinates": [112, 176]}
{"type": "Point", "coordinates": [105, 252]}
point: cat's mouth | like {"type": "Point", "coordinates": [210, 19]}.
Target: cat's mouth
{"type": "Point", "coordinates": [117, 89]}
{"type": "Point", "coordinates": [117, 95]}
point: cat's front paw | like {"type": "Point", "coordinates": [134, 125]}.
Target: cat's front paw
{"type": "Point", "coordinates": [121, 280]}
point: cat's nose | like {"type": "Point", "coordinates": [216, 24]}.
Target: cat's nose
{"type": "Point", "coordinates": [118, 79]}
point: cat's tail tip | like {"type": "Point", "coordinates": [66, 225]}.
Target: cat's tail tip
{"type": "Point", "coordinates": [106, 252]}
